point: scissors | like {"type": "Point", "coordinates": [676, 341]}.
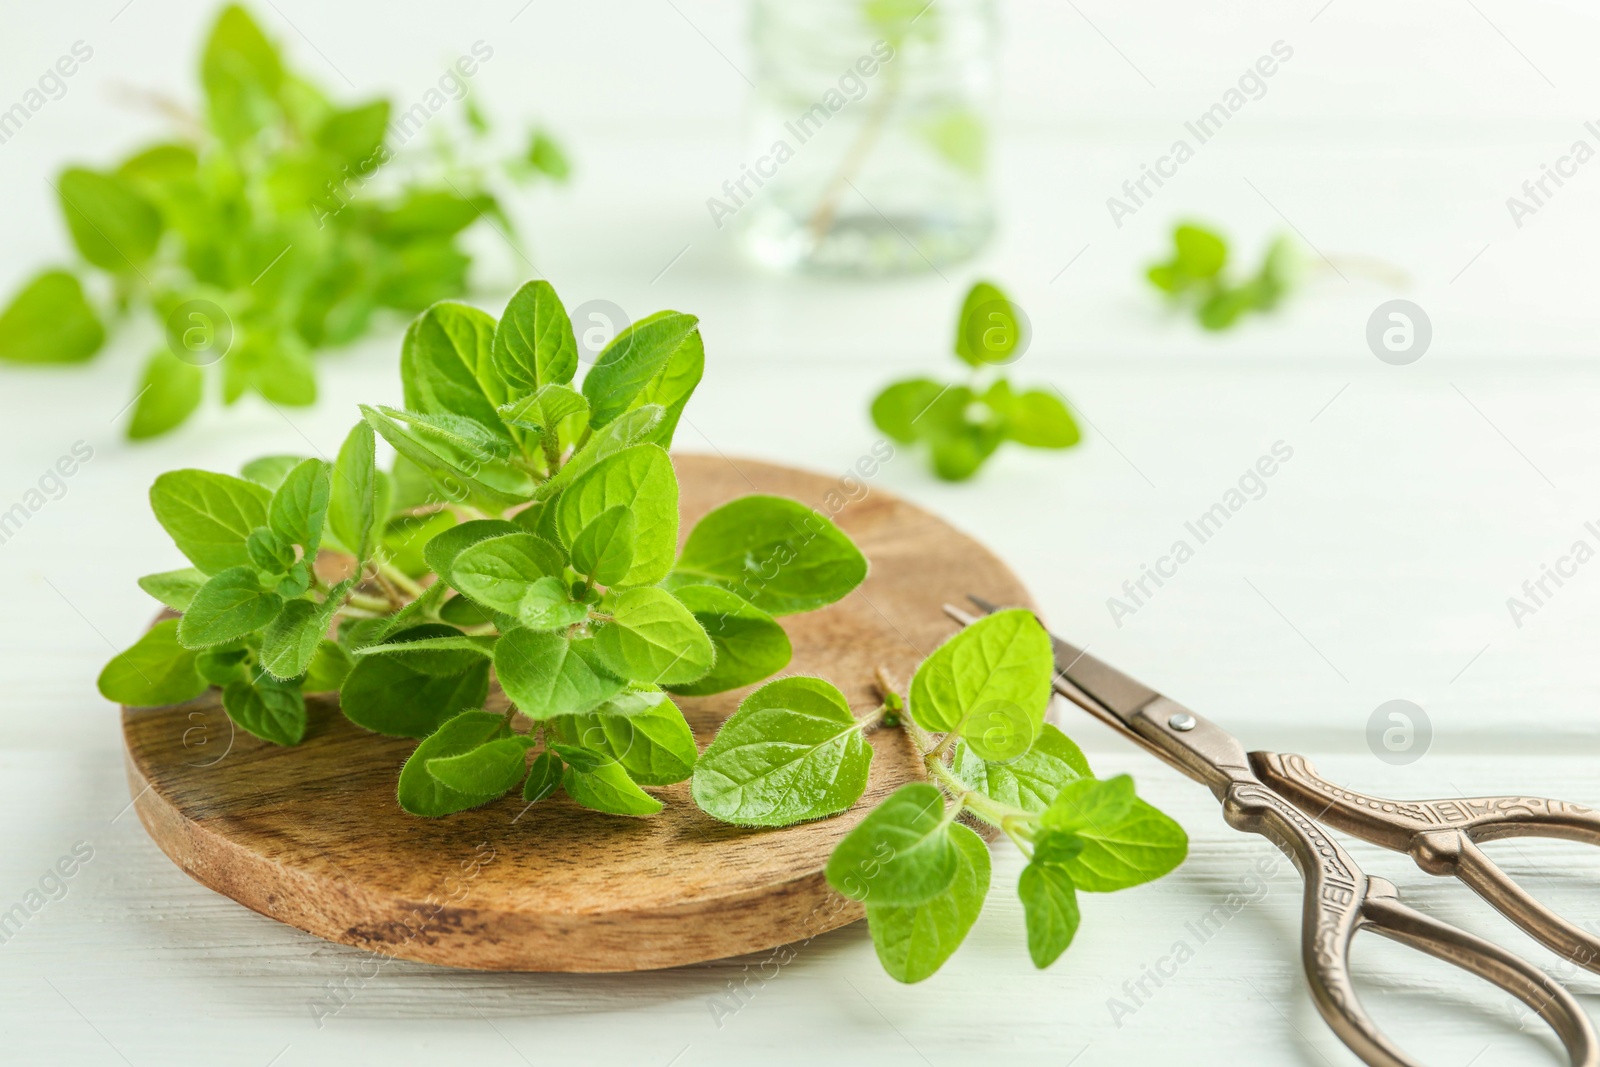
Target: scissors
{"type": "Point", "coordinates": [1282, 798]}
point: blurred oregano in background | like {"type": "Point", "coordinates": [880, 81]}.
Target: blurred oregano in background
{"type": "Point", "coordinates": [1196, 277]}
{"type": "Point", "coordinates": [274, 223]}
{"type": "Point", "coordinates": [963, 423]}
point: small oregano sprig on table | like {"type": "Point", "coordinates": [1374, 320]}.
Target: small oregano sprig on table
{"type": "Point", "coordinates": [274, 223]}
{"type": "Point", "coordinates": [963, 424]}
{"type": "Point", "coordinates": [794, 751]}
{"type": "Point", "coordinates": [528, 525]}
{"type": "Point", "coordinates": [1195, 277]}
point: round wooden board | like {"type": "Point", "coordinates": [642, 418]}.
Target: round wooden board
{"type": "Point", "coordinates": [312, 836]}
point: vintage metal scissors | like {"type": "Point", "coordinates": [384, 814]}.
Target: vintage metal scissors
{"type": "Point", "coordinates": [1283, 798]}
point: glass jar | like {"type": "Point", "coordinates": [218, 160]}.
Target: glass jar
{"type": "Point", "coordinates": [869, 145]}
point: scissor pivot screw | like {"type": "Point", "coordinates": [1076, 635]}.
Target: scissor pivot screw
{"type": "Point", "coordinates": [1182, 722]}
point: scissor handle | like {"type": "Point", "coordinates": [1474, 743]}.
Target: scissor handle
{"type": "Point", "coordinates": [1442, 835]}
{"type": "Point", "coordinates": [1341, 900]}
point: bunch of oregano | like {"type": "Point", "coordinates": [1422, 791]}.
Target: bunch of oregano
{"type": "Point", "coordinates": [975, 712]}
{"type": "Point", "coordinates": [275, 223]}
{"type": "Point", "coordinates": [528, 526]}
{"type": "Point", "coordinates": [1195, 277]}
{"type": "Point", "coordinates": [963, 423]}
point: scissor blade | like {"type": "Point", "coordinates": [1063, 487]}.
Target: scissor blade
{"type": "Point", "coordinates": [1108, 687]}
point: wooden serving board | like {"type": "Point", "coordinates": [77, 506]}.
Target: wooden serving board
{"type": "Point", "coordinates": [312, 836]}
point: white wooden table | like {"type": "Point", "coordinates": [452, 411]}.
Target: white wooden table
{"type": "Point", "coordinates": [1376, 566]}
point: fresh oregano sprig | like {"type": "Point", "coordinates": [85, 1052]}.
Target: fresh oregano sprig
{"type": "Point", "coordinates": [963, 423]}
{"type": "Point", "coordinates": [975, 712]}
{"type": "Point", "coordinates": [274, 223]}
{"type": "Point", "coordinates": [529, 525]}
{"type": "Point", "coordinates": [1195, 277]}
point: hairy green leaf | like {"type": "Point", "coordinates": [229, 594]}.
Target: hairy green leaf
{"type": "Point", "coordinates": [600, 783]}
{"type": "Point", "coordinates": [546, 674]}
{"type": "Point", "coordinates": [653, 638]}
{"type": "Point", "coordinates": [778, 554]}
{"type": "Point", "coordinates": [209, 515]}
{"type": "Point", "coordinates": [641, 480]}
{"type": "Point", "coordinates": [913, 941]}
{"type": "Point", "coordinates": [229, 606]}
{"type": "Point", "coordinates": [266, 708]}
{"type": "Point", "coordinates": [155, 670]}
{"type": "Point", "coordinates": [902, 853]}
{"type": "Point", "coordinates": [793, 751]}
{"type": "Point", "coordinates": [419, 792]}
{"type": "Point", "coordinates": [748, 643]}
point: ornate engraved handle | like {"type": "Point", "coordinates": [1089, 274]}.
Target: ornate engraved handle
{"type": "Point", "coordinates": [1442, 835]}
{"type": "Point", "coordinates": [1340, 901]}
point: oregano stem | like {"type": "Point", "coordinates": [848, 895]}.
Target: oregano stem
{"type": "Point", "coordinates": [400, 578]}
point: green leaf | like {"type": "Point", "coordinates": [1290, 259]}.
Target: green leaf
{"type": "Point", "coordinates": [1050, 903]}
{"type": "Point", "coordinates": [636, 427]}
{"type": "Point", "coordinates": [489, 770]}
{"type": "Point", "coordinates": [229, 606]}
{"type": "Point", "coordinates": [299, 508]}
{"type": "Point", "coordinates": [155, 670]}
{"type": "Point", "coordinates": [653, 638]}
{"type": "Point", "coordinates": [440, 551]}
{"type": "Point", "coordinates": [598, 782]}
{"type": "Point", "coordinates": [242, 75]}
{"type": "Point", "coordinates": [272, 362]}
{"type": "Point", "coordinates": [1198, 252]}
{"type": "Point", "coordinates": [533, 343]}
{"type": "Point", "coordinates": [112, 224]}
{"type": "Point", "coordinates": [271, 710]}
{"type": "Point", "coordinates": [914, 941]}
{"type": "Point", "coordinates": [50, 321]}
{"type": "Point", "coordinates": [546, 675]}
{"type": "Point", "coordinates": [899, 409]}
{"type": "Point", "coordinates": [353, 502]}
{"type": "Point", "coordinates": [1126, 842]}
{"type": "Point", "coordinates": [407, 536]}
{"type": "Point", "coordinates": [410, 646]}
{"type": "Point", "coordinates": [174, 588]}
{"type": "Point", "coordinates": [1032, 780]}
{"type": "Point", "coordinates": [1039, 419]}
{"type": "Point", "coordinates": [643, 731]}
{"type": "Point", "coordinates": [603, 550]}
{"type": "Point", "coordinates": [793, 751]}
{"type": "Point", "coordinates": [270, 471]}
{"type": "Point", "coordinates": [290, 641]}
{"type": "Point", "coordinates": [544, 155]}
{"type": "Point", "coordinates": [209, 515]}
{"type": "Point", "coordinates": [447, 365]}
{"type": "Point", "coordinates": [641, 480]}
{"type": "Point", "coordinates": [225, 665]}
{"type": "Point", "coordinates": [500, 572]}
{"type": "Point", "coordinates": [749, 644]}
{"type": "Point", "coordinates": [778, 554]}
{"type": "Point", "coordinates": [642, 360]}
{"type": "Point", "coordinates": [419, 792]}
{"type": "Point", "coordinates": [168, 394]}
{"type": "Point", "coordinates": [330, 666]}
{"type": "Point", "coordinates": [411, 692]}
{"type": "Point", "coordinates": [902, 853]}
{"type": "Point", "coordinates": [354, 134]}
{"type": "Point", "coordinates": [456, 454]}
{"type": "Point", "coordinates": [544, 776]}
{"type": "Point", "coordinates": [989, 329]}
{"type": "Point", "coordinates": [548, 605]}
{"type": "Point", "coordinates": [990, 682]}
{"type": "Point", "coordinates": [269, 553]}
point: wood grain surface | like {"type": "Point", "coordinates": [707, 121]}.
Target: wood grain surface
{"type": "Point", "coordinates": [312, 836]}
